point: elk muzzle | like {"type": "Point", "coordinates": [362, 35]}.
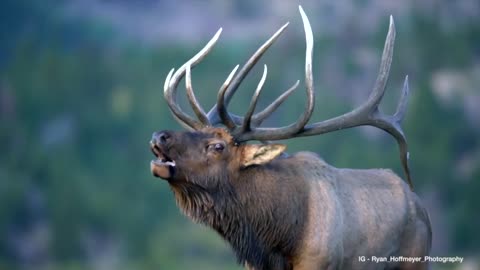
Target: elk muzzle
{"type": "Point", "coordinates": [163, 166]}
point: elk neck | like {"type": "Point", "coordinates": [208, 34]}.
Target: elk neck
{"type": "Point", "coordinates": [253, 210]}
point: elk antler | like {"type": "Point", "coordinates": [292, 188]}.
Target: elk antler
{"type": "Point", "coordinates": [246, 128]}
{"type": "Point", "coordinates": [218, 113]}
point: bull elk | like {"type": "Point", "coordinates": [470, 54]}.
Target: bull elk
{"type": "Point", "coordinates": [281, 211]}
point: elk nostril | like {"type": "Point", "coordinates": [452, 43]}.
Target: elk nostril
{"type": "Point", "coordinates": [163, 138]}
{"type": "Point", "coordinates": [160, 137]}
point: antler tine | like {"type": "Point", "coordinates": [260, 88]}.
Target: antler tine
{"type": "Point", "coordinates": [308, 71]}
{"type": "Point", "coordinates": [264, 134]}
{"type": "Point", "coordinates": [380, 84]}
{"type": "Point", "coordinates": [165, 87]}
{"type": "Point", "coordinates": [402, 142]}
{"type": "Point", "coordinates": [246, 69]}
{"type": "Point", "coordinates": [258, 118]}
{"type": "Point", "coordinates": [392, 125]}
{"type": "Point", "coordinates": [172, 82]}
{"type": "Point", "coordinates": [221, 107]}
{"type": "Point", "coordinates": [248, 116]}
{"type": "Point", "coordinates": [197, 108]}
{"type": "Point", "coordinates": [402, 105]}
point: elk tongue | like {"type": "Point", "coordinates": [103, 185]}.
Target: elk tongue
{"type": "Point", "coordinates": [162, 169]}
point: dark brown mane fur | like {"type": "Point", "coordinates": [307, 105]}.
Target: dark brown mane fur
{"type": "Point", "coordinates": [245, 210]}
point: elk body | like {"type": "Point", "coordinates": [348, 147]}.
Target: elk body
{"type": "Point", "coordinates": [281, 211]}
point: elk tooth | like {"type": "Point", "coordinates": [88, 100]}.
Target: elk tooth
{"type": "Point", "coordinates": [163, 162]}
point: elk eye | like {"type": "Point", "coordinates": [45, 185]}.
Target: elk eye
{"type": "Point", "coordinates": [217, 147]}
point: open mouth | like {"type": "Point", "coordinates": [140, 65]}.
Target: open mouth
{"type": "Point", "coordinates": [162, 159]}
{"type": "Point", "coordinates": [163, 166]}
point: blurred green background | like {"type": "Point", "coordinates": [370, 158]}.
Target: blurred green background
{"type": "Point", "coordinates": [81, 93]}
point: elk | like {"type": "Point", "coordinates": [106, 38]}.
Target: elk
{"type": "Point", "coordinates": [281, 211]}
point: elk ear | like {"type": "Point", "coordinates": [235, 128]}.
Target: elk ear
{"type": "Point", "coordinates": [257, 154]}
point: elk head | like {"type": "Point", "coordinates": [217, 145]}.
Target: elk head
{"type": "Point", "coordinates": [206, 153]}
{"type": "Point", "coordinates": [185, 156]}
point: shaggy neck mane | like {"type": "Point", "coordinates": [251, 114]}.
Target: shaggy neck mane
{"type": "Point", "coordinates": [245, 224]}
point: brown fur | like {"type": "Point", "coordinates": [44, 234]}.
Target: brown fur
{"type": "Point", "coordinates": [293, 212]}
